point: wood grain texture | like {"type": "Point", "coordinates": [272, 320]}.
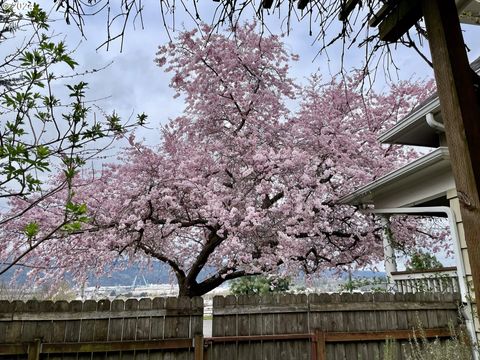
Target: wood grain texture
{"type": "Point", "coordinates": [460, 113]}
{"type": "Point", "coordinates": [356, 331]}
{"type": "Point", "coordinates": [362, 315]}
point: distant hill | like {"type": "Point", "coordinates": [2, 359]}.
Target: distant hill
{"type": "Point", "coordinates": [159, 273]}
{"type": "Point", "coordinates": [365, 274]}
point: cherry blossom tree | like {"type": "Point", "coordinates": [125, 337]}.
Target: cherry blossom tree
{"type": "Point", "coordinates": [240, 184]}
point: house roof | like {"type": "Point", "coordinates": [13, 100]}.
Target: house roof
{"type": "Point", "coordinates": [469, 11]}
{"type": "Point", "coordinates": [413, 129]}
{"type": "Point", "coordinates": [420, 181]}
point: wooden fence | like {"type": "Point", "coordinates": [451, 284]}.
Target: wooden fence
{"type": "Point", "coordinates": [320, 327]}
{"type": "Point", "coordinates": [353, 326]}
{"type": "Point", "coordinates": [162, 328]}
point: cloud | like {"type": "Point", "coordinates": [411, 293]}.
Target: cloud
{"type": "Point", "coordinates": [133, 83]}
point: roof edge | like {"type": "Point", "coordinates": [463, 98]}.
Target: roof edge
{"type": "Point", "coordinates": [421, 163]}
{"type": "Point", "coordinates": [430, 105]}
{"type": "Point", "coordinates": [409, 120]}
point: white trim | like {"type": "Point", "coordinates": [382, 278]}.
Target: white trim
{"type": "Point", "coordinates": [410, 120]}
{"type": "Point", "coordinates": [436, 156]}
{"type": "Point", "coordinates": [462, 278]}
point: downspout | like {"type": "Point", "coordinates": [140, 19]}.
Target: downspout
{"type": "Point", "coordinates": [434, 124]}
{"type": "Point", "coordinates": [462, 279]}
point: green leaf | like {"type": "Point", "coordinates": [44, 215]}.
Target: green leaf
{"type": "Point", "coordinates": [142, 119]}
{"type": "Point", "coordinates": [31, 230]}
{"type": "Point", "coordinates": [42, 151]}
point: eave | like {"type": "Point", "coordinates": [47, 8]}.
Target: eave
{"type": "Point", "coordinates": [402, 180]}
{"type": "Point", "coordinates": [413, 129]}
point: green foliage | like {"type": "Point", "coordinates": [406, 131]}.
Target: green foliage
{"type": "Point", "coordinates": [31, 230]}
{"type": "Point", "coordinates": [39, 129]}
{"type": "Point", "coordinates": [424, 261]}
{"type": "Point", "coordinates": [76, 216]}
{"type": "Point", "coordinates": [258, 285]}
{"type": "Point", "coordinates": [374, 284]}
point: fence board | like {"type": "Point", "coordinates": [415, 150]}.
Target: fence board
{"type": "Point", "coordinates": [14, 328]}
{"type": "Point", "coordinates": [87, 327]}
{"type": "Point", "coordinates": [196, 318]}
{"type": "Point", "coordinates": [29, 327]}
{"type": "Point", "coordinates": [289, 314]}
{"type": "Point", "coordinates": [130, 326]}
{"type": "Point", "coordinates": [184, 329]}
{"type": "Point", "coordinates": [101, 325]}
{"type": "Point", "coordinates": [115, 327]}
{"type": "Point", "coordinates": [58, 326]}
{"type": "Point", "coordinates": [44, 330]}
{"type": "Point", "coordinates": [349, 319]}
{"type": "Point", "coordinates": [289, 319]}
{"type": "Point", "coordinates": [100, 330]}
{"type": "Point", "coordinates": [143, 327]}
{"type": "Point", "coordinates": [229, 325]}
{"type": "Point", "coordinates": [157, 330]}
{"type": "Point", "coordinates": [6, 307]}
{"type": "Point", "coordinates": [72, 327]}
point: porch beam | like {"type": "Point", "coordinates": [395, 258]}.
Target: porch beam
{"type": "Point", "coordinates": [401, 18]}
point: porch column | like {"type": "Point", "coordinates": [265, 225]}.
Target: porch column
{"type": "Point", "coordinates": [388, 251]}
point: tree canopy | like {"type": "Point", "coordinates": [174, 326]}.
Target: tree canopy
{"type": "Point", "coordinates": [421, 260]}
{"type": "Point", "coordinates": [47, 123]}
{"type": "Point", "coordinates": [240, 183]}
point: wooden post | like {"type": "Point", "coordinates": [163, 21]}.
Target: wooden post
{"type": "Point", "coordinates": [198, 346]}
{"type": "Point", "coordinates": [321, 346]}
{"type": "Point", "coordinates": [34, 350]}
{"type": "Point", "coordinates": [461, 117]}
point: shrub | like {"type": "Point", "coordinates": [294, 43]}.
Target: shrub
{"type": "Point", "coordinates": [457, 347]}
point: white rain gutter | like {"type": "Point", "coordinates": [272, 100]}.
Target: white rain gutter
{"type": "Point", "coordinates": [462, 279]}
{"type": "Point", "coordinates": [409, 121]}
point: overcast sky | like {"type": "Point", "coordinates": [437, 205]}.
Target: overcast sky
{"type": "Point", "coordinates": [134, 83]}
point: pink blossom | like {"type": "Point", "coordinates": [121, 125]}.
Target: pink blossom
{"type": "Point", "coordinates": [239, 183]}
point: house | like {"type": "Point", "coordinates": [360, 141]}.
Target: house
{"type": "Point", "coordinates": [423, 187]}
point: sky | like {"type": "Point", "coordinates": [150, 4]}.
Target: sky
{"type": "Point", "coordinates": [133, 83]}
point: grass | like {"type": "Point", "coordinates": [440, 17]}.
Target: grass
{"type": "Point", "coordinates": [457, 347]}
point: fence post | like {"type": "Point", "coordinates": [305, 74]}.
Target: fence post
{"type": "Point", "coordinates": [321, 348]}
{"type": "Point", "coordinates": [34, 350]}
{"type": "Point", "coordinates": [198, 347]}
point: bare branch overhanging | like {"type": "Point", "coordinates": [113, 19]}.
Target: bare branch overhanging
{"type": "Point", "coordinates": [348, 22]}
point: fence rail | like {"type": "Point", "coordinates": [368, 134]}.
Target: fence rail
{"type": "Point", "coordinates": [329, 313]}
{"type": "Point", "coordinates": [300, 327]}
{"type": "Point", "coordinates": [201, 346]}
